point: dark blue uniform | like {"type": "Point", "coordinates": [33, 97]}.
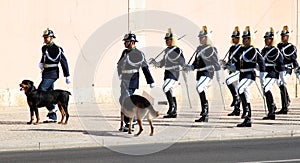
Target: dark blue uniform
{"type": "Point", "coordinates": [206, 61]}
{"type": "Point", "coordinates": [52, 56]}
{"type": "Point", "coordinates": [128, 67]}
{"type": "Point", "coordinates": [289, 52]}
{"type": "Point", "coordinates": [273, 62]}
{"type": "Point", "coordinates": [234, 55]}
{"type": "Point", "coordinates": [172, 59]}
{"type": "Point", "coordinates": [249, 58]}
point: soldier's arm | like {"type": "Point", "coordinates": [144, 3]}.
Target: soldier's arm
{"type": "Point", "coordinates": [64, 64]}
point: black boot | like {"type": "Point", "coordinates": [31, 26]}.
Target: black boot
{"type": "Point", "coordinates": [204, 112]}
{"type": "Point", "coordinates": [284, 100]}
{"type": "Point", "coordinates": [204, 102]}
{"type": "Point", "coordinates": [204, 117]}
{"type": "Point", "coordinates": [174, 112]}
{"type": "Point", "coordinates": [234, 94]}
{"type": "Point", "coordinates": [247, 121]}
{"type": "Point", "coordinates": [171, 106]}
{"type": "Point", "coordinates": [271, 106]}
{"type": "Point", "coordinates": [236, 110]}
{"type": "Point", "coordinates": [244, 104]}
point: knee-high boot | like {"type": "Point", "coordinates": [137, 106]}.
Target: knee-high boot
{"type": "Point", "coordinates": [204, 105]}
{"type": "Point", "coordinates": [235, 97]}
{"type": "Point", "coordinates": [171, 106]}
{"type": "Point", "coordinates": [271, 106]}
{"type": "Point", "coordinates": [247, 121]}
{"type": "Point", "coordinates": [244, 104]}
{"type": "Point", "coordinates": [284, 100]}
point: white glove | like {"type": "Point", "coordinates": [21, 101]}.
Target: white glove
{"type": "Point", "coordinates": [68, 81]}
{"type": "Point", "coordinates": [218, 76]}
{"type": "Point", "coordinates": [188, 68]}
{"type": "Point", "coordinates": [41, 65]}
{"type": "Point", "coordinates": [152, 85]}
{"type": "Point", "coordinates": [262, 76]}
{"type": "Point", "coordinates": [281, 77]}
{"type": "Point", "coordinates": [120, 76]}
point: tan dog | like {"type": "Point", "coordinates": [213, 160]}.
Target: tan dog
{"type": "Point", "coordinates": [140, 107]}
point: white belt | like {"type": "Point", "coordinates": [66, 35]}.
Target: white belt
{"type": "Point", "coordinates": [270, 64]}
{"type": "Point", "coordinates": [205, 68]}
{"type": "Point", "coordinates": [50, 65]}
{"type": "Point", "coordinates": [288, 65]}
{"type": "Point", "coordinates": [129, 71]}
{"type": "Point", "coordinates": [172, 67]}
{"type": "Point", "coordinates": [247, 69]}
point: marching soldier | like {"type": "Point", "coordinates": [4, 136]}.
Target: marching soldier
{"type": "Point", "coordinates": [128, 66]}
{"type": "Point", "coordinates": [52, 55]}
{"type": "Point", "coordinates": [274, 68]}
{"type": "Point", "coordinates": [205, 63]}
{"type": "Point", "coordinates": [172, 60]}
{"type": "Point", "coordinates": [289, 53]}
{"type": "Point", "coordinates": [250, 57]}
{"type": "Point", "coordinates": [233, 78]}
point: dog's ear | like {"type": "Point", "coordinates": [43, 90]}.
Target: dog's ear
{"type": "Point", "coordinates": [31, 83]}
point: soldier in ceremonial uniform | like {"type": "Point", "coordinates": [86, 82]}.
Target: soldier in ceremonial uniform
{"type": "Point", "coordinates": [231, 65]}
{"type": "Point", "coordinates": [274, 68]}
{"type": "Point", "coordinates": [52, 55]}
{"type": "Point", "coordinates": [172, 60]}
{"type": "Point", "coordinates": [128, 67]}
{"type": "Point", "coordinates": [289, 52]}
{"type": "Point", "coordinates": [205, 63]}
{"type": "Point", "coordinates": [250, 57]}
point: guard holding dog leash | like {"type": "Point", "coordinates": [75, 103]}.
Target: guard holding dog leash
{"type": "Point", "coordinates": [205, 63]}
{"type": "Point", "coordinates": [289, 52]}
{"type": "Point", "coordinates": [52, 55]}
{"type": "Point", "coordinates": [275, 70]}
{"type": "Point", "coordinates": [172, 61]}
{"type": "Point", "coordinates": [231, 65]}
{"type": "Point", "coordinates": [128, 66]}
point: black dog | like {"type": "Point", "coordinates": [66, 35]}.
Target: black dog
{"type": "Point", "coordinates": [37, 98]}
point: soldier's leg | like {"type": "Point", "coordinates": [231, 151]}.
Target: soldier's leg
{"type": "Point", "coordinates": [269, 98]}
{"type": "Point", "coordinates": [46, 85]}
{"type": "Point", "coordinates": [231, 82]}
{"type": "Point", "coordinates": [201, 86]}
{"type": "Point", "coordinates": [243, 89]}
{"type": "Point", "coordinates": [168, 88]}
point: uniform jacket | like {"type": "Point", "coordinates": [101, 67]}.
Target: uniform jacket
{"type": "Point", "coordinates": [289, 52]}
{"type": "Point", "coordinates": [249, 59]}
{"type": "Point", "coordinates": [273, 61]}
{"type": "Point", "coordinates": [172, 59]}
{"type": "Point", "coordinates": [128, 67]}
{"type": "Point", "coordinates": [51, 55]}
{"type": "Point", "coordinates": [206, 57]}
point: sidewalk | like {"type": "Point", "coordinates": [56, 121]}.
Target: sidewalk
{"type": "Point", "coordinates": [92, 125]}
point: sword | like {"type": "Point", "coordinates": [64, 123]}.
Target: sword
{"type": "Point", "coordinates": [263, 97]}
{"type": "Point", "coordinates": [184, 74]}
{"type": "Point", "coordinates": [222, 97]}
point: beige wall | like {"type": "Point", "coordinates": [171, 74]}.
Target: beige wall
{"type": "Point", "coordinates": [75, 21]}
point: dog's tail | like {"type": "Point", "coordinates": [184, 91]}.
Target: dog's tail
{"type": "Point", "coordinates": [152, 112]}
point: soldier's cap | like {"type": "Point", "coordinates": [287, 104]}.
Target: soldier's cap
{"type": "Point", "coordinates": [269, 34]}
{"type": "Point", "coordinates": [48, 33]}
{"type": "Point", "coordinates": [130, 37]}
{"type": "Point", "coordinates": [169, 35]}
{"type": "Point", "coordinates": [285, 31]}
{"type": "Point", "coordinates": [203, 32]}
{"type": "Point", "coordinates": [236, 33]}
{"type": "Point", "coordinates": [247, 33]}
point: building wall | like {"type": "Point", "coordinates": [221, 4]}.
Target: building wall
{"type": "Point", "coordinates": [78, 23]}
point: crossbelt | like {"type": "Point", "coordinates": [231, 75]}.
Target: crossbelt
{"type": "Point", "coordinates": [50, 65]}
{"type": "Point", "coordinates": [172, 67]}
{"type": "Point", "coordinates": [205, 68]}
{"type": "Point", "coordinates": [247, 70]}
{"type": "Point", "coordinates": [129, 71]}
{"type": "Point", "coordinates": [270, 64]}
{"type": "Point", "coordinates": [288, 65]}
